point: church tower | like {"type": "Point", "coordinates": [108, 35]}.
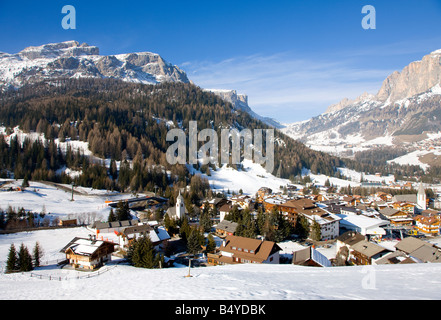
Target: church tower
{"type": "Point", "coordinates": [421, 198]}
{"type": "Point", "coordinates": [180, 206]}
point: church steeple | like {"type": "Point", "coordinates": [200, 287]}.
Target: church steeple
{"type": "Point", "coordinates": [180, 206]}
{"type": "Point", "coordinates": [421, 197]}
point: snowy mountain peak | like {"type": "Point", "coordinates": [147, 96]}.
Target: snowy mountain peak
{"type": "Point", "coordinates": [56, 50]}
{"type": "Point", "coordinates": [70, 59]}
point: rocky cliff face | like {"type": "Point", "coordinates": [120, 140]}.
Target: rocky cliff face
{"type": "Point", "coordinates": [417, 77]}
{"type": "Point", "coordinates": [240, 102]}
{"type": "Point", "coordinates": [408, 103]}
{"type": "Point", "coordinates": [73, 60]}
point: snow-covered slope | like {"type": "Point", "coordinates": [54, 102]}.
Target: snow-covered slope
{"type": "Point", "coordinates": [235, 282]}
{"type": "Point", "coordinates": [56, 199]}
{"type": "Point", "coordinates": [250, 178]}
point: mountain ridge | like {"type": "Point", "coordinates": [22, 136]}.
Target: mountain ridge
{"type": "Point", "coordinates": [407, 105]}
{"type": "Point", "coordinates": [74, 60]}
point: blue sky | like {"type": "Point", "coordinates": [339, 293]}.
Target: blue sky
{"type": "Point", "coordinates": [292, 58]}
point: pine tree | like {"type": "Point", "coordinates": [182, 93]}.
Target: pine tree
{"type": "Point", "coordinates": [123, 211]}
{"type": "Point", "coordinates": [38, 253]}
{"type": "Point", "coordinates": [301, 227]}
{"type": "Point", "coordinates": [184, 229]}
{"type": "Point", "coordinates": [316, 233]}
{"type": "Point", "coordinates": [112, 216]}
{"type": "Point", "coordinates": [211, 244]}
{"type": "Point", "coordinates": [24, 259]}
{"type": "Point", "coordinates": [12, 263]}
{"type": "Point", "coordinates": [25, 183]}
{"type": "Point", "coordinates": [193, 243]}
{"type": "Point", "coordinates": [142, 254]}
{"type": "Point", "coordinates": [205, 220]}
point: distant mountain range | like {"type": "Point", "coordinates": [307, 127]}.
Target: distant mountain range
{"type": "Point", "coordinates": [71, 59]}
{"type": "Point", "coordinates": [404, 111]}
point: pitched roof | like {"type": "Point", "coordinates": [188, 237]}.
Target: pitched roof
{"type": "Point", "coordinates": [227, 226]}
{"type": "Point", "coordinates": [396, 257]}
{"type": "Point", "coordinates": [427, 220]}
{"type": "Point", "coordinates": [226, 207]}
{"type": "Point", "coordinates": [83, 246]}
{"type": "Point", "coordinates": [388, 211]}
{"type": "Point", "coordinates": [304, 255]}
{"type": "Point", "coordinates": [406, 198]}
{"type": "Point", "coordinates": [427, 253]}
{"type": "Point", "coordinates": [410, 244]}
{"type": "Point", "coordinates": [350, 238]}
{"type": "Point", "coordinates": [367, 248]}
{"type": "Point", "coordinates": [258, 250]}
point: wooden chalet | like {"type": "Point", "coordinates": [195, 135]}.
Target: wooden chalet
{"type": "Point", "coordinates": [262, 193]}
{"type": "Point", "coordinates": [68, 223]}
{"type": "Point", "coordinates": [89, 253]}
{"type": "Point", "coordinates": [406, 207]}
{"type": "Point", "coordinates": [329, 223]}
{"type": "Point", "coordinates": [157, 234]}
{"type": "Point", "coordinates": [310, 257]}
{"type": "Point", "coordinates": [365, 253]}
{"type": "Point", "coordinates": [396, 217]}
{"type": "Point", "coordinates": [226, 228]}
{"type": "Point", "coordinates": [428, 225]}
{"type": "Point", "coordinates": [236, 250]}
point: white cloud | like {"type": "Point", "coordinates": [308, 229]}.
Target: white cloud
{"type": "Point", "coordinates": [282, 85]}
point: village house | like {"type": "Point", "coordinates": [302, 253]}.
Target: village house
{"type": "Point", "coordinates": [351, 201]}
{"type": "Point", "coordinates": [419, 250]}
{"type": "Point", "coordinates": [348, 239]}
{"type": "Point", "coordinates": [366, 253]}
{"type": "Point", "coordinates": [428, 225]}
{"type": "Point", "coordinates": [225, 209]}
{"type": "Point", "coordinates": [410, 244]}
{"type": "Point", "coordinates": [310, 257]}
{"type": "Point", "coordinates": [245, 250]}
{"type": "Point", "coordinates": [382, 196]}
{"type": "Point", "coordinates": [396, 217]}
{"type": "Point", "coordinates": [407, 198]}
{"type": "Point", "coordinates": [157, 234]}
{"type": "Point", "coordinates": [68, 223]}
{"type": "Point", "coordinates": [406, 207]}
{"type": "Point", "coordinates": [269, 203]}
{"type": "Point", "coordinates": [262, 193]}
{"type": "Point", "coordinates": [329, 222]}
{"type": "Point", "coordinates": [396, 257]}
{"type": "Point", "coordinates": [242, 201]}
{"type": "Point", "coordinates": [112, 227]}
{"type": "Point", "coordinates": [214, 203]}
{"type": "Point", "coordinates": [88, 253]}
{"type": "Point", "coordinates": [226, 228]}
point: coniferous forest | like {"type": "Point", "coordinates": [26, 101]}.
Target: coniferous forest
{"type": "Point", "coordinates": [128, 123]}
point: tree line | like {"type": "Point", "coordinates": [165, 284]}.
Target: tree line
{"type": "Point", "coordinates": [22, 260]}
